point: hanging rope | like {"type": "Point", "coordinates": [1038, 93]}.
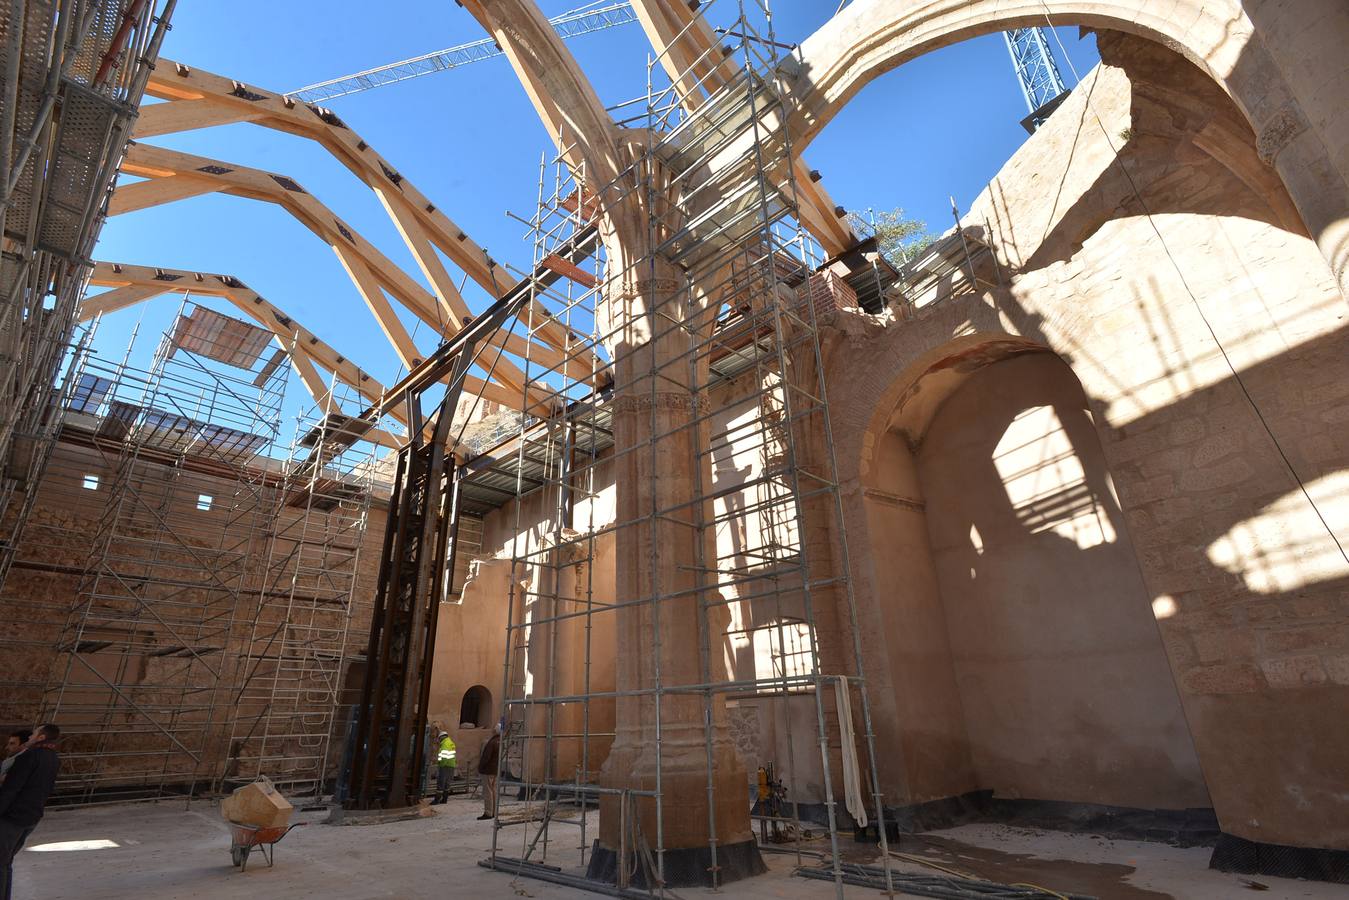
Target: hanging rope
{"type": "Point", "coordinates": [1199, 309]}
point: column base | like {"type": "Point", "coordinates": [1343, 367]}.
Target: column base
{"type": "Point", "coordinates": [685, 866]}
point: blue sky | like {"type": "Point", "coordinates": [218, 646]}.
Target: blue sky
{"type": "Point", "coordinates": [939, 126]}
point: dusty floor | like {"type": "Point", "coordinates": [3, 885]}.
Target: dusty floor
{"type": "Point", "coordinates": [166, 851]}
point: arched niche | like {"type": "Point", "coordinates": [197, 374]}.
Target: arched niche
{"type": "Point", "coordinates": [475, 709]}
{"type": "Point", "coordinates": [1020, 638]}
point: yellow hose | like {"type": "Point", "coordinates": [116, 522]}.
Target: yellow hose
{"type": "Point", "coordinates": [908, 857]}
{"type": "Point", "coordinates": [1036, 887]}
{"type": "Point", "coordinates": [919, 860]}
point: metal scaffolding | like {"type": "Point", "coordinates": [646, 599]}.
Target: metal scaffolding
{"type": "Point", "coordinates": [290, 700]}
{"type": "Point", "coordinates": [776, 642]}
{"type": "Point", "coordinates": [150, 645]}
{"type": "Point", "coordinates": [72, 73]}
{"type": "Point", "coordinates": [194, 584]}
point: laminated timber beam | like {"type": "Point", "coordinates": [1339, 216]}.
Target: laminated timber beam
{"type": "Point", "coordinates": [370, 270]}
{"type": "Point", "coordinates": [561, 94]}
{"type": "Point", "coordinates": [200, 99]}
{"type": "Point", "coordinates": [578, 122]}
{"type": "Point", "coordinates": [690, 53]}
{"type": "Point", "coordinates": [136, 284]}
{"type": "Point", "coordinates": [171, 173]}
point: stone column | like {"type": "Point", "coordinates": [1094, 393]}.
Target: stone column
{"type": "Point", "coordinates": [655, 404]}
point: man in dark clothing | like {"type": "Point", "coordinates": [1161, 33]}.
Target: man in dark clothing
{"type": "Point", "coordinates": [23, 797]}
{"type": "Point", "coordinates": [487, 769]}
{"type": "Point", "coordinates": [13, 747]}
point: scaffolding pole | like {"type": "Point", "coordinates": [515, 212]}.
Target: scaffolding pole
{"type": "Point", "coordinates": [175, 463]}
{"type": "Point", "coordinates": [72, 74]}
{"type": "Point", "coordinates": [777, 635]}
{"type": "Point", "coordinates": [291, 699]}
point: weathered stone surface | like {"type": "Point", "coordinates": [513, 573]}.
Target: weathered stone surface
{"type": "Point", "coordinates": [1133, 290]}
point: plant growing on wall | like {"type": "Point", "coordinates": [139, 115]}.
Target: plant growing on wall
{"type": "Point", "coordinates": [898, 237]}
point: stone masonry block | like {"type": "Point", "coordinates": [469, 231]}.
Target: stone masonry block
{"type": "Point", "coordinates": [1152, 489]}
{"type": "Point", "coordinates": [1179, 649]}
{"type": "Point", "coordinates": [1184, 431]}
{"type": "Point", "coordinates": [1232, 471]}
{"type": "Point", "coordinates": [1189, 558]}
{"type": "Point", "coordinates": [1263, 612]}
{"type": "Point", "coordinates": [1313, 607]}
{"type": "Point", "coordinates": [1175, 509]}
{"type": "Point", "coordinates": [1318, 448]}
{"type": "Point", "coordinates": [1163, 462]}
{"type": "Point", "coordinates": [1231, 645]}
{"type": "Point", "coordinates": [1310, 638]}
{"type": "Point", "coordinates": [1337, 667]}
{"type": "Point", "coordinates": [1293, 672]}
{"type": "Point", "coordinates": [1127, 447]}
{"type": "Point", "coordinates": [1227, 678]}
{"type": "Point", "coordinates": [1215, 448]}
{"type": "Point", "coordinates": [1336, 415]}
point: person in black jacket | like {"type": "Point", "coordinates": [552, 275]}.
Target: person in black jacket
{"type": "Point", "coordinates": [13, 747]}
{"type": "Point", "coordinates": [488, 761]}
{"type": "Point", "coordinates": [23, 797]}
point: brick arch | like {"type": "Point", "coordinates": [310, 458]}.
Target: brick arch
{"type": "Point", "coordinates": [1296, 110]}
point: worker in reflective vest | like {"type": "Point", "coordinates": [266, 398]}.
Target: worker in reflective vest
{"type": "Point", "coordinates": [444, 767]}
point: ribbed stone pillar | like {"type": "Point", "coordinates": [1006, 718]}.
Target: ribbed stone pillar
{"type": "Point", "coordinates": [657, 442]}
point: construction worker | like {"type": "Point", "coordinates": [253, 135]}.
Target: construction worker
{"type": "Point", "coordinates": [444, 767]}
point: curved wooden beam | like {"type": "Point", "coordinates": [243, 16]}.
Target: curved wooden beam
{"type": "Point", "coordinates": [370, 270]}
{"type": "Point", "coordinates": [691, 55]}
{"type": "Point", "coordinates": [200, 99]}
{"type": "Point", "coordinates": [562, 95]}
{"type": "Point", "coordinates": [136, 284]}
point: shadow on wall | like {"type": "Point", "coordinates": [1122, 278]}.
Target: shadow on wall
{"type": "Point", "coordinates": [1229, 459]}
{"type": "Point", "coordinates": [1283, 80]}
{"type": "Point", "coordinates": [1243, 582]}
{"type": "Point", "coordinates": [1061, 674]}
{"type": "Point", "coordinates": [1179, 122]}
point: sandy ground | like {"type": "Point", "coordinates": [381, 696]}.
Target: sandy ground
{"type": "Point", "coordinates": [150, 852]}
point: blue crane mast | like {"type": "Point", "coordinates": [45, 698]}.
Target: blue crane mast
{"type": "Point", "coordinates": [1036, 73]}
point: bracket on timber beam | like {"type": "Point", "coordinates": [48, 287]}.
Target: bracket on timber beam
{"type": "Point", "coordinates": [372, 273]}
{"type": "Point", "coordinates": [136, 284]}
{"type": "Point", "coordinates": [200, 99]}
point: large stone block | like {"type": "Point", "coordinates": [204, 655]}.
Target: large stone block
{"type": "Point", "coordinates": [257, 804]}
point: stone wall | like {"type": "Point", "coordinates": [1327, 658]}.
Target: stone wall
{"type": "Point", "coordinates": [1143, 241]}
{"type": "Point", "coordinates": [228, 582]}
{"type": "Point", "coordinates": [1139, 241]}
{"type": "Point", "coordinates": [1062, 678]}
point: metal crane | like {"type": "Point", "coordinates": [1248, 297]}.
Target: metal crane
{"type": "Point", "coordinates": [1036, 73]}
{"type": "Point", "coordinates": [589, 18]}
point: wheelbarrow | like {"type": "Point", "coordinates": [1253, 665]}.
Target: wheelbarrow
{"type": "Point", "coordinates": [243, 838]}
